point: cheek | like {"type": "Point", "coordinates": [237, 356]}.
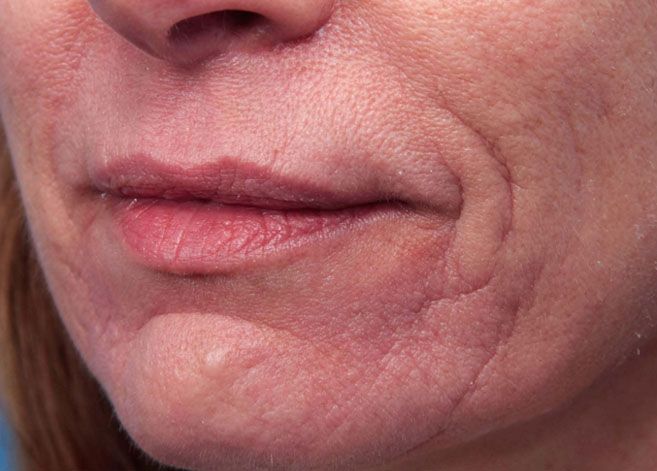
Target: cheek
{"type": "Point", "coordinates": [37, 80]}
{"type": "Point", "coordinates": [47, 42]}
{"type": "Point", "coordinates": [562, 94]}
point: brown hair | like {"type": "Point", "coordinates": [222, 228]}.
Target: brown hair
{"type": "Point", "coordinates": [61, 418]}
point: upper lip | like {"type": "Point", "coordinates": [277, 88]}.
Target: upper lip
{"type": "Point", "coordinates": [224, 181]}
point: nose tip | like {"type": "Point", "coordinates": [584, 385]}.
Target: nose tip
{"type": "Point", "coordinates": [191, 30]}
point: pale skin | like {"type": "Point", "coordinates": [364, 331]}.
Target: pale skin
{"type": "Point", "coordinates": [505, 320]}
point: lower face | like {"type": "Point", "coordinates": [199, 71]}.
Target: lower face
{"type": "Point", "coordinates": [487, 175]}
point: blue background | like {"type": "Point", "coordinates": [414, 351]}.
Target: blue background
{"type": "Point", "coordinates": [5, 447]}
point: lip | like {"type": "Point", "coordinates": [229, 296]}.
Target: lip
{"type": "Point", "coordinates": [225, 181]}
{"type": "Point", "coordinates": [227, 215]}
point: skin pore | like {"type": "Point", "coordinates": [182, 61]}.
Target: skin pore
{"type": "Point", "coordinates": [497, 313]}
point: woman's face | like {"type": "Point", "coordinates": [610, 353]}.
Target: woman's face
{"type": "Point", "coordinates": [337, 232]}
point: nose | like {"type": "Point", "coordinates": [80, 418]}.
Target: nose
{"type": "Point", "coordinates": [188, 31]}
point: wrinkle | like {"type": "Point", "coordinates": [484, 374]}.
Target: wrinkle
{"type": "Point", "coordinates": [526, 304]}
{"type": "Point", "coordinates": [493, 149]}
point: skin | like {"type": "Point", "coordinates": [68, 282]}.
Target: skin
{"type": "Point", "coordinates": [507, 324]}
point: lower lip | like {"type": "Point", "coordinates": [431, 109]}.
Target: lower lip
{"type": "Point", "coordinates": [197, 237]}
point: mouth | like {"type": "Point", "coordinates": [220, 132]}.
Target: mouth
{"type": "Point", "coordinates": [227, 216]}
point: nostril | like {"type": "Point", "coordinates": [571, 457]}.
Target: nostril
{"type": "Point", "coordinates": [190, 33]}
{"type": "Point", "coordinates": [217, 22]}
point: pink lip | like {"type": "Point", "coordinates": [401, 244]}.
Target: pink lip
{"type": "Point", "coordinates": [220, 217]}
{"type": "Point", "coordinates": [226, 181]}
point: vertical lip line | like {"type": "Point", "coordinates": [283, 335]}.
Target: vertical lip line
{"type": "Point", "coordinates": [181, 233]}
{"type": "Point", "coordinates": [226, 180]}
